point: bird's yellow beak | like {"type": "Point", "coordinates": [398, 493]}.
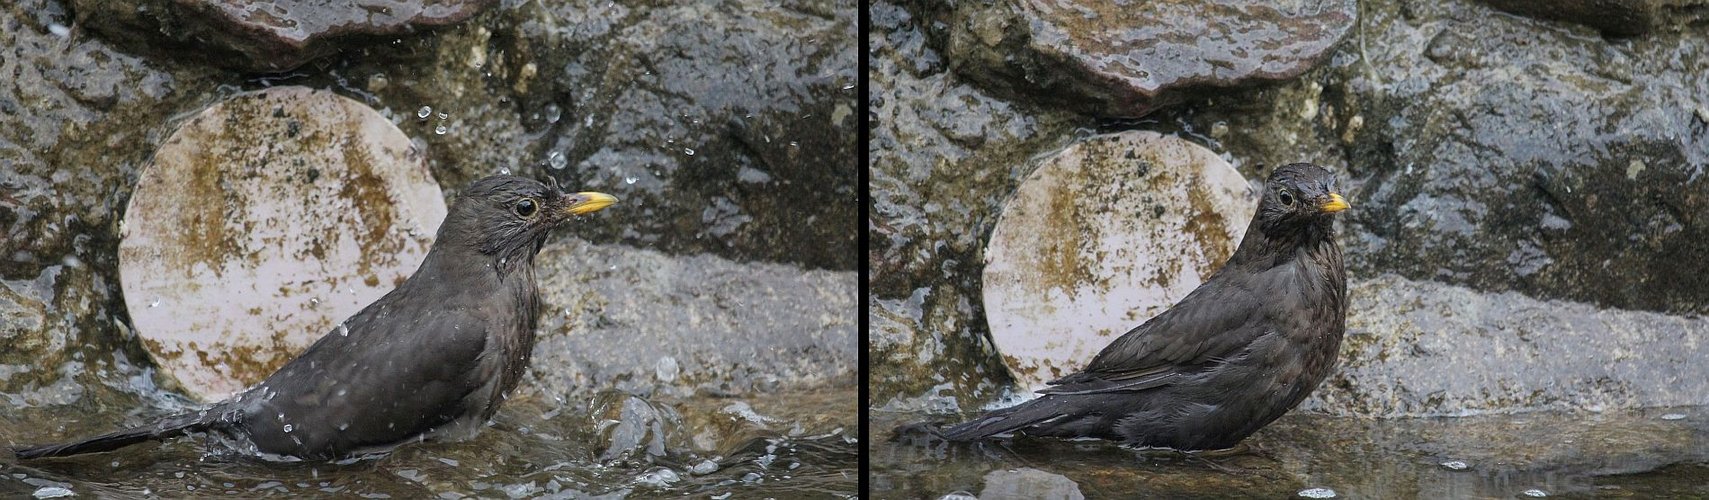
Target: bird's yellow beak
{"type": "Point", "coordinates": [590, 202]}
{"type": "Point", "coordinates": [1335, 204]}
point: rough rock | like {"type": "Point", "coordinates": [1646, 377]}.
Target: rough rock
{"type": "Point", "coordinates": [1101, 237]}
{"type": "Point", "coordinates": [615, 315]}
{"type": "Point", "coordinates": [263, 36]}
{"type": "Point", "coordinates": [729, 130]}
{"type": "Point", "coordinates": [263, 222]}
{"type": "Point", "coordinates": [1112, 58]}
{"type": "Point", "coordinates": [1614, 18]}
{"type": "Point", "coordinates": [944, 156]}
{"type": "Point", "coordinates": [1502, 154]}
{"type": "Point", "coordinates": [1427, 349]}
{"type": "Point", "coordinates": [1027, 482]}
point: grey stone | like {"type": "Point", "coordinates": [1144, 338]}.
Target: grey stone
{"type": "Point", "coordinates": [263, 37]}
{"type": "Point", "coordinates": [612, 312]}
{"type": "Point", "coordinates": [1112, 58]}
{"type": "Point", "coordinates": [1416, 348]}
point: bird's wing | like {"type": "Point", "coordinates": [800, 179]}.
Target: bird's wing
{"type": "Point", "coordinates": [1215, 321]}
{"type": "Point", "coordinates": [385, 375]}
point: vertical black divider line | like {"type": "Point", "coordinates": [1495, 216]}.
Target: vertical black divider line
{"type": "Point", "coordinates": [863, 147]}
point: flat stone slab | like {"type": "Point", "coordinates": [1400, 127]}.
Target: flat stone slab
{"type": "Point", "coordinates": [1420, 348]}
{"type": "Point", "coordinates": [263, 222]}
{"type": "Point", "coordinates": [264, 36]}
{"type": "Point", "coordinates": [1104, 235]}
{"type": "Point", "coordinates": [643, 321]}
{"type": "Point", "coordinates": [1111, 57]}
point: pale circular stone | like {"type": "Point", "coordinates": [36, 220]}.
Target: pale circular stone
{"type": "Point", "coordinates": [262, 223]}
{"type": "Point", "coordinates": [1101, 237]}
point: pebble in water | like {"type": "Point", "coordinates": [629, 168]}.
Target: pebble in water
{"type": "Point", "coordinates": [1455, 465]}
{"type": "Point", "coordinates": [704, 467]}
{"type": "Point", "coordinates": [666, 369]}
{"type": "Point", "coordinates": [658, 477]}
{"type": "Point", "coordinates": [1317, 493]}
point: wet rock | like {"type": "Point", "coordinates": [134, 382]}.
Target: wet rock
{"type": "Point", "coordinates": [1028, 482]}
{"type": "Point", "coordinates": [944, 156]}
{"type": "Point", "coordinates": [262, 37]}
{"type": "Point", "coordinates": [1615, 18]}
{"type": "Point", "coordinates": [727, 128]}
{"type": "Point", "coordinates": [612, 312]}
{"type": "Point", "coordinates": [1101, 237]}
{"type": "Point", "coordinates": [1427, 349]}
{"type": "Point", "coordinates": [634, 428]}
{"type": "Point", "coordinates": [262, 223]}
{"type": "Point", "coordinates": [1462, 185]}
{"type": "Point", "coordinates": [1112, 58]}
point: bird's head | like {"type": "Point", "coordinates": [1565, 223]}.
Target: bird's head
{"type": "Point", "coordinates": [1297, 196]}
{"type": "Point", "coordinates": [509, 217]}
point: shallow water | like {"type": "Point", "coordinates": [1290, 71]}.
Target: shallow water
{"type": "Point", "coordinates": [1654, 453]}
{"type": "Point", "coordinates": [786, 445]}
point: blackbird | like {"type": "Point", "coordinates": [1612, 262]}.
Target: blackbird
{"type": "Point", "coordinates": [1236, 353]}
{"type": "Point", "coordinates": [431, 359]}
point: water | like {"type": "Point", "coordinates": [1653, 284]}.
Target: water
{"type": "Point", "coordinates": [1573, 455]}
{"type": "Point", "coordinates": [532, 449]}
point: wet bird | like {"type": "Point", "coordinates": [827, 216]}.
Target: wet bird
{"type": "Point", "coordinates": [432, 359]}
{"type": "Point", "coordinates": [1239, 351]}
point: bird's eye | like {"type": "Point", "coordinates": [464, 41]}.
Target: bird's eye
{"type": "Point", "coordinates": [526, 207]}
{"type": "Point", "coordinates": [1286, 198]}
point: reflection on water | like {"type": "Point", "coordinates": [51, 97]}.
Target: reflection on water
{"type": "Point", "coordinates": [1643, 453]}
{"type": "Point", "coordinates": [531, 450]}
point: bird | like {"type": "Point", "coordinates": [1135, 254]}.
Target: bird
{"type": "Point", "coordinates": [431, 359]}
{"type": "Point", "coordinates": [1236, 353]}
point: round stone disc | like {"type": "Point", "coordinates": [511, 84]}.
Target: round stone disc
{"type": "Point", "coordinates": [262, 223]}
{"type": "Point", "coordinates": [1101, 237]}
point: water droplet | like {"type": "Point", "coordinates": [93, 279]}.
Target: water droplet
{"type": "Point", "coordinates": [1535, 493]}
{"type": "Point", "coordinates": [557, 160]}
{"type": "Point", "coordinates": [504, 171]}
{"type": "Point", "coordinates": [154, 304]}
{"type": "Point", "coordinates": [440, 130]}
{"type": "Point", "coordinates": [443, 116]}
{"type": "Point", "coordinates": [630, 180]}
{"type": "Point", "coordinates": [1455, 465]}
{"type": "Point", "coordinates": [287, 427]}
{"type": "Point", "coordinates": [343, 331]}
{"type": "Point", "coordinates": [1674, 416]}
{"type": "Point", "coordinates": [424, 112]}
{"type": "Point", "coordinates": [343, 426]}
{"type": "Point", "coordinates": [553, 113]}
{"type": "Point", "coordinates": [688, 151]}
{"type": "Point", "coordinates": [314, 301]}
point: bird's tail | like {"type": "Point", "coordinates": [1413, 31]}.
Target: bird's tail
{"type": "Point", "coordinates": [1008, 419]}
{"type": "Point", "coordinates": [176, 425]}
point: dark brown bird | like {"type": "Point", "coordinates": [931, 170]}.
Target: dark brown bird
{"type": "Point", "coordinates": [431, 359]}
{"type": "Point", "coordinates": [1235, 354]}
